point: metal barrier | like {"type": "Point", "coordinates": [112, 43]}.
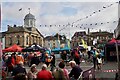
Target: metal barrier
{"type": "Point", "coordinates": [88, 74]}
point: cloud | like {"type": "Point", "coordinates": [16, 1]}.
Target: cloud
{"type": "Point", "coordinates": [61, 13]}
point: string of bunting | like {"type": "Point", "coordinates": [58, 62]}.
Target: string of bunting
{"type": "Point", "coordinates": [104, 7]}
{"type": "Point", "coordinates": [86, 17]}
{"type": "Point", "coordinates": [80, 25]}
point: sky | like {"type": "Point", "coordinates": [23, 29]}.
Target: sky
{"type": "Point", "coordinates": [63, 13]}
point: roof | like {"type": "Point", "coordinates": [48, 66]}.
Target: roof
{"type": "Point", "coordinates": [50, 38]}
{"type": "Point", "coordinates": [103, 33]}
{"type": "Point", "coordinates": [81, 33]}
{"type": "Point", "coordinates": [29, 16]}
{"type": "Point", "coordinates": [22, 29]}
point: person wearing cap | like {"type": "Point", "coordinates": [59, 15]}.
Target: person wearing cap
{"type": "Point", "coordinates": [32, 73]}
{"type": "Point", "coordinates": [44, 74]}
{"type": "Point", "coordinates": [19, 69]}
{"type": "Point", "coordinates": [76, 70]}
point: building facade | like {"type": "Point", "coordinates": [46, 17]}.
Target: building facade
{"type": "Point", "coordinates": [99, 39]}
{"type": "Point", "coordinates": [117, 31]}
{"type": "Point", "coordinates": [56, 41]}
{"type": "Point", "coordinates": [25, 35]}
{"type": "Point", "coordinates": [76, 39]}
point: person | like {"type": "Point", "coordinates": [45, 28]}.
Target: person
{"type": "Point", "coordinates": [58, 74]}
{"type": "Point", "coordinates": [47, 59]}
{"type": "Point", "coordinates": [93, 51]}
{"type": "Point", "coordinates": [102, 53]}
{"type": "Point", "coordinates": [77, 57]}
{"type": "Point", "coordinates": [11, 62]}
{"type": "Point", "coordinates": [52, 61]}
{"type": "Point", "coordinates": [30, 56]}
{"type": "Point", "coordinates": [65, 71]}
{"type": "Point", "coordinates": [19, 69]}
{"type": "Point", "coordinates": [76, 70]}
{"type": "Point", "coordinates": [35, 60]}
{"type": "Point", "coordinates": [19, 58]}
{"type": "Point", "coordinates": [20, 76]}
{"type": "Point", "coordinates": [99, 62]}
{"type": "Point", "coordinates": [32, 73]}
{"type": "Point", "coordinates": [44, 74]}
{"type": "Point", "coordinates": [4, 75]}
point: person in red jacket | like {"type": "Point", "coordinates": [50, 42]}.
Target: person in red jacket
{"type": "Point", "coordinates": [44, 74]}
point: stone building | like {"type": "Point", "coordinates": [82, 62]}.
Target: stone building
{"type": "Point", "coordinates": [99, 39]}
{"type": "Point", "coordinates": [55, 41]}
{"type": "Point", "coordinates": [76, 39]}
{"type": "Point", "coordinates": [24, 35]}
{"type": "Point", "coordinates": [117, 31]}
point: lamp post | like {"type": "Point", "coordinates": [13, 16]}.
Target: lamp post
{"type": "Point", "coordinates": [118, 60]}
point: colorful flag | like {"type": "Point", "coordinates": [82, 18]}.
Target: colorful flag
{"type": "Point", "coordinates": [84, 43]}
{"type": "Point", "coordinates": [20, 9]}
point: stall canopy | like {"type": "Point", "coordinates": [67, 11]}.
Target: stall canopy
{"type": "Point", "coordinates": [33, 48]}
{"type": "Point", "coordinates": [110, 49]}
{"type": "Point", "coordinates": [13, 48]}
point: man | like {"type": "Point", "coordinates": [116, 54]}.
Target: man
{"type": "Point", "coordinates": [44, 74]}
{"type": "Point", "coordinates": [93, 51]}
{"type": "Point", "coordinates": [19, 69]}
{"type": "Point", "coordinates": [76, 70]}
{"type": "Point", "coordinates": [52, 61]}
{"type": "Point", "coordinates": [35, 60]}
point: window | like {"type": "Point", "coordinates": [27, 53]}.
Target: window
{"type": "Point", "coordinates": [10, 40]}
{"type": "Point", "coordinates": [27, 40]}
{"type": "Point", "coordinates": [18, 40]}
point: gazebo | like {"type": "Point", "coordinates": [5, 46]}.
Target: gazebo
{"type": "Point", "coordinates": [110, 50]}
{"type": "Point", "coordinates": [13, 48]}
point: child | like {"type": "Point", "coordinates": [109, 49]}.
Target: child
{"type": "Point", "coordinates": [99, 62]}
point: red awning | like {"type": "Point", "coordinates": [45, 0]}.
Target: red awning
{"type": "Point", "coordinates": [112, 41]}
{"type": "Point", "coordinates": [14, 48]}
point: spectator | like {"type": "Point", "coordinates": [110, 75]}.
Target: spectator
{"type": "Point", "coordinates": [44, 74]}
{"type": "Point", "coordinates": [19, 58]}
{"type": "Point", "coordinates": [20, 76]}
{"type": "Point", "coordinates": [32, 74]}
{"type": "Point", "coordinates": [94, 52]}
{"type": "Point", "coordinates": [47, 59]}
{"type": "Point", "coordinates": [99, 62]}
{"type": "Point", "coordinates": [77, 57]}
{"type": "Point", "coordinates": [65, 71]}
{"type": "Point", "coordinates": [35, 60]}
{"type": "Point", "coordinates": [4, 75]}
{"type": "Point", "coordinates": [19, 69]}
{"type": "Point", "coordinates": [10, 62]}
{"type": "Point", "coordinates": [52, 61]}
{"type": "Point", "coordinates": [76, 70]}
{"type": "Point", "coordinates": [58, 74]}
{"type": "Point", "coordinates": [30, 56]}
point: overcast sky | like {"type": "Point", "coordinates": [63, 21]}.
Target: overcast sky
{"type": "Point", "coordinates": [62, 13]}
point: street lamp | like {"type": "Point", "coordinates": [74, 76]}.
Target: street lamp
{"type": "Point", "coordinates": [118, 59]}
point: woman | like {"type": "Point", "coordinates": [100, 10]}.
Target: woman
{"type": "Point", "coordinates": [32, 74]}
{"type": "Point", "coordinates": [65, 71]}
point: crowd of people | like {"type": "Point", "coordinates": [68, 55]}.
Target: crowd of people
{"type": "Point", "coordinates": [14, 64]}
